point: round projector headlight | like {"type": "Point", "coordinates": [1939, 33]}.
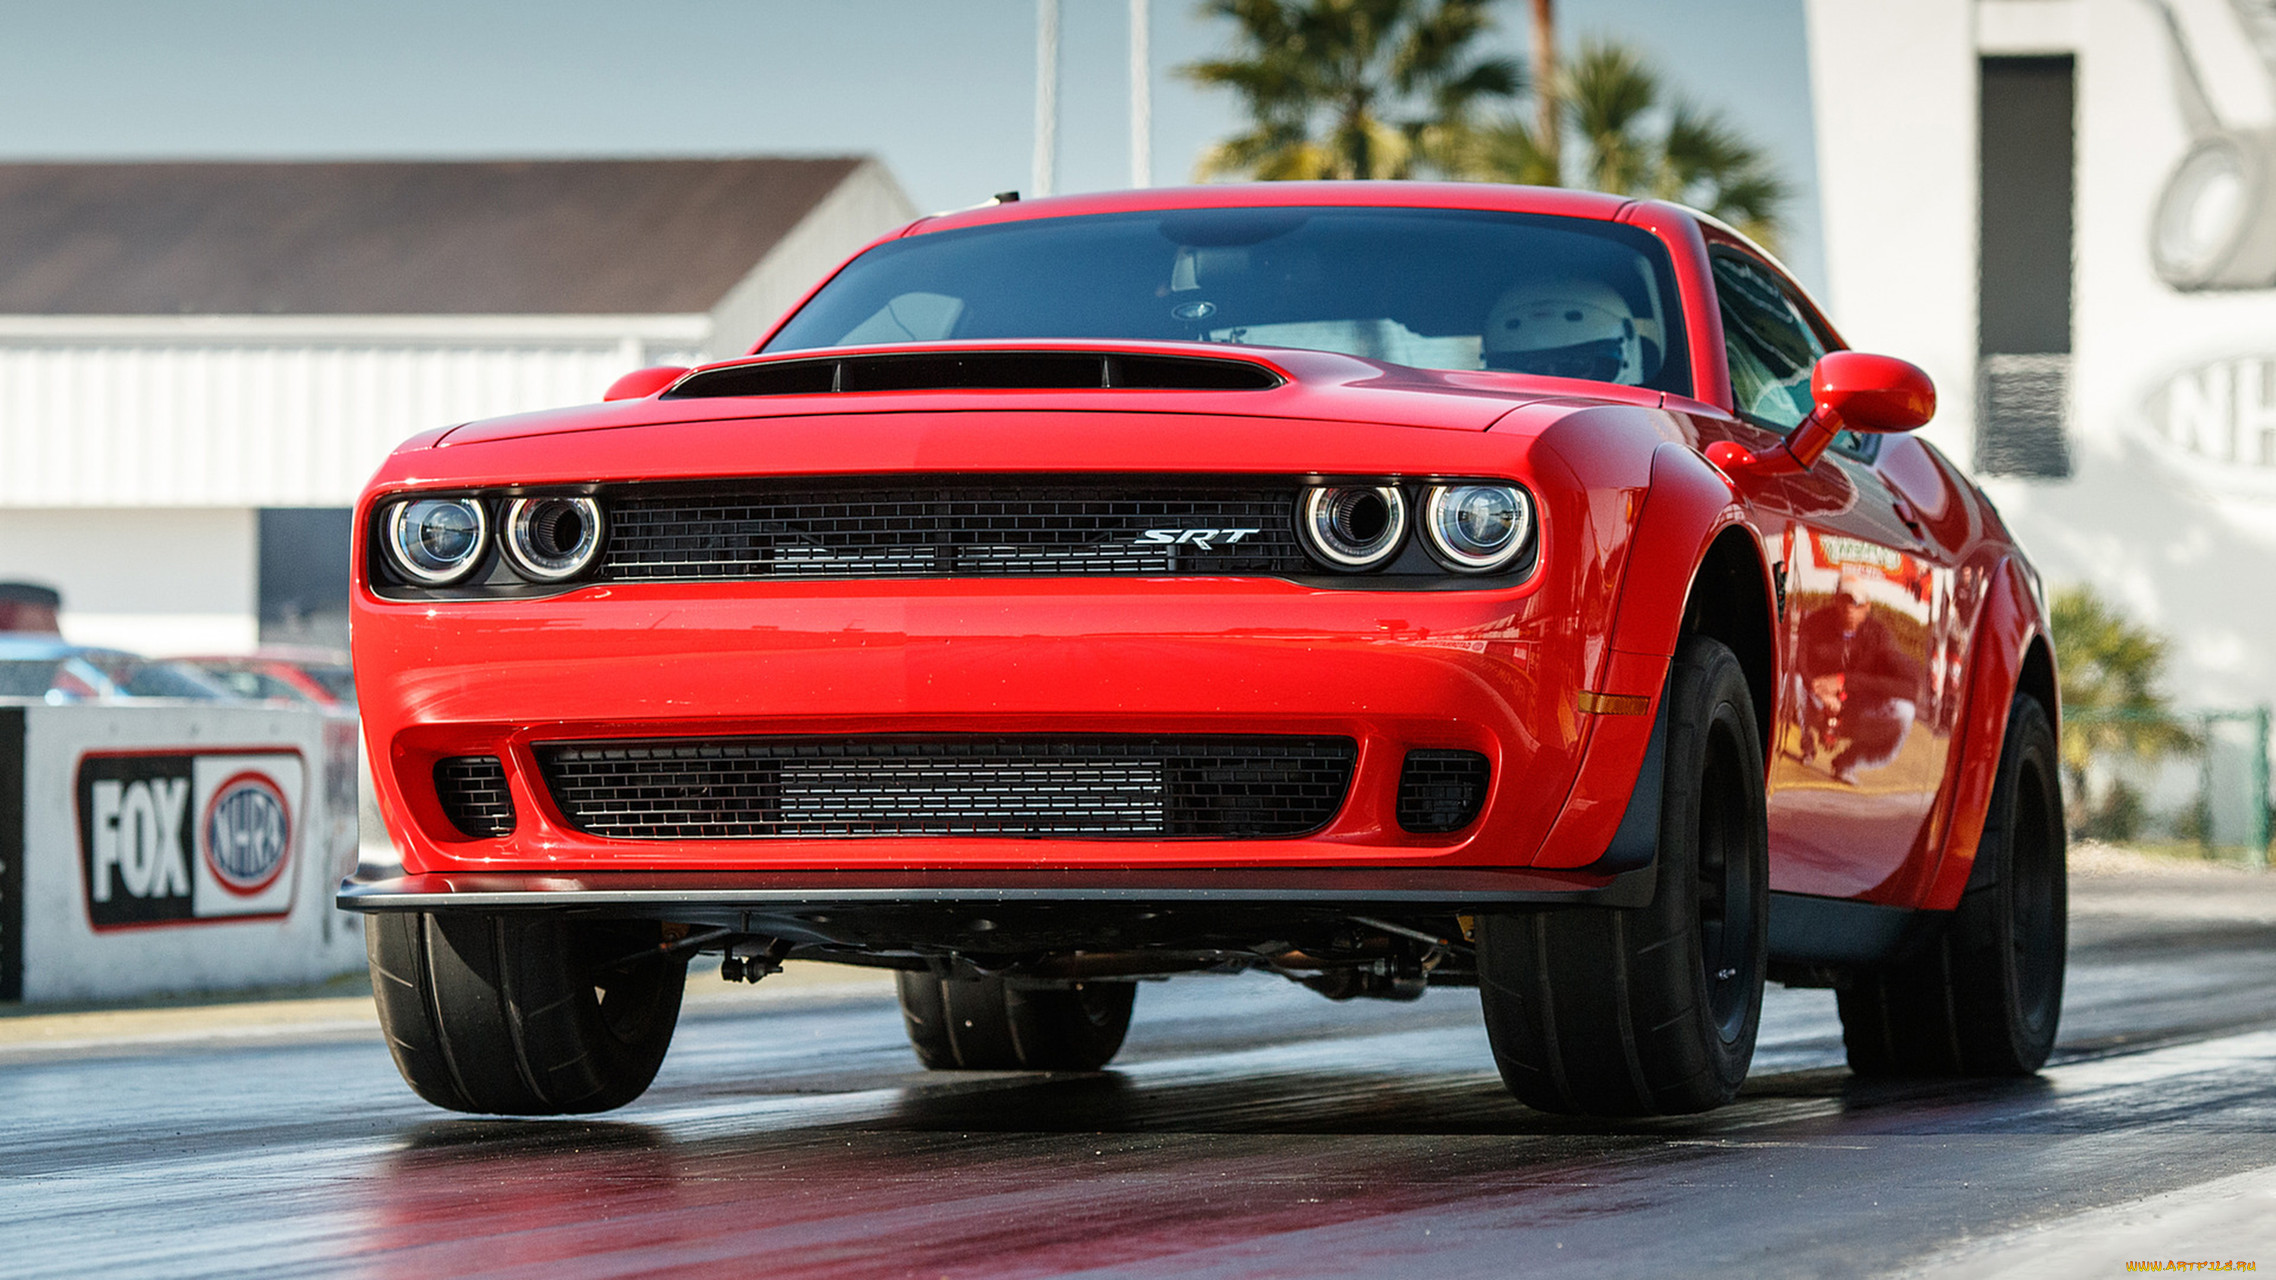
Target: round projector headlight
{"type": "Point", "coordinates": [1354, 527]}
{"type": "Point", "coordinates": [1477, 528]}
{"type": "Point", "coordinates": [552, 539]}
{"type": "Point", "coordinates": [437, 540]}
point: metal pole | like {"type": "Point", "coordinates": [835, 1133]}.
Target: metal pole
{"type": "Point", "coordinates": [1141, 96]}
{"type": "Point", "coordinates": [2259, 854]}
{"type": "Point", "coordinates": [1044, 175]}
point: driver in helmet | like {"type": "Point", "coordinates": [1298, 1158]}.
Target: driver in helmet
{"type": "Point", "coordinates": [1568, 328]}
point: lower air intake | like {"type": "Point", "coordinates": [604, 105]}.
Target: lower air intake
{"type": "Point", "coordinates": [1216, 787]}
{"type": "Point", "coordinates": [473, 793]}
{"type": "Point", "coordinates": [1441, 791]}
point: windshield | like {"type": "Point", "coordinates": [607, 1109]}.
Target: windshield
{"type": "Point", "coordinates": [1430, 288]}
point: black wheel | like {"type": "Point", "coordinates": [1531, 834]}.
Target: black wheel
{"type": "Point", "coordinates": [1983, 999]}
{"type": "Point", "coordinates": [1651, 1010]}
{"type": "Point", "coordinates": [990, 1024]}
{"type": "Point", "coordinates": [522, 1014]}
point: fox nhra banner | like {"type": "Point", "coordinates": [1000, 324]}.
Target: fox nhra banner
{"type": "Point", "coordinates": [172, 847]}
{"type": "Point", "coordinates": [168, 838]}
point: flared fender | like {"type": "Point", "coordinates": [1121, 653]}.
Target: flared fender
{"type": "Point", "coordinates": [2004, 636]}
{"type": "Point", "coordinates": [1687, 507]}
{"type": "Point", "coordinates": [2004, 632]}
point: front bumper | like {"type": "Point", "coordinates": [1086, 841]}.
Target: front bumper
{"type": "Point", "coordinates": [1494, 672]}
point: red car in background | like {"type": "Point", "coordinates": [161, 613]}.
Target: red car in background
{"type": "Point", "coordinates": [287, 673]}
{"type": "Point", "coordinates": [1377, 585]}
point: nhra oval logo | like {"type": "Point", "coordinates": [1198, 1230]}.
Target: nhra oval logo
{"type": "Point", "coordinates": [246, 833]}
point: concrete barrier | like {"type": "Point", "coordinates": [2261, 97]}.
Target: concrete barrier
{"type": "Point", "coordinates": [173, 847]}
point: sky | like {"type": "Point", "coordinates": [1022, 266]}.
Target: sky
{"type": "Point", "coordinates": [940, 90]}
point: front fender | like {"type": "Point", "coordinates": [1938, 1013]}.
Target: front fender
{"type": "Point", "coordinates": [1688, 505]}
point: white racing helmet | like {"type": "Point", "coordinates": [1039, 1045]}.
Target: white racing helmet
{"type": "Point", "coordinates": [1569, 328]}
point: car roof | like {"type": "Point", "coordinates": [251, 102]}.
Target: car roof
{"type": "Point", "coordinates": [1561, 201]}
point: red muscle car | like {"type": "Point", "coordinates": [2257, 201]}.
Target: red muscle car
{"type": "Point", "coordinates": [1374, 585]}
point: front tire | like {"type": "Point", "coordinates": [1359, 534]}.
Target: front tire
{"type": "Point", "coordinates": [522, 1014]}
{"type": "Point", "coordinates": [1652, 1010]}
{"type": "Point", "coordinates": [990, 1024]}
{"type": "Point", "coordinates": [1986, 997]}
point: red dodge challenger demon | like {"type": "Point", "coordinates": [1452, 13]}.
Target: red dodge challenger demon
{"type": "Point", "coordinates": [1377, 585]}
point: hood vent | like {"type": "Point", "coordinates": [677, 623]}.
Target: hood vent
{"type": "Point", "coordinates": [976, 371]}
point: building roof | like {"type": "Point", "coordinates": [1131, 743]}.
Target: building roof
{"type": "Point", "coordinates": [395, 238]}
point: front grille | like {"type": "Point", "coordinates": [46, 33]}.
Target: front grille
{"type": "Point", "coordinates": [952, 530]}
{"type": "Point", "coordinates": [473, 793]}
{"type": "Point", "coordinates": [1216, 787]}
{"type": "Point", "coordinates": [1441, 791]}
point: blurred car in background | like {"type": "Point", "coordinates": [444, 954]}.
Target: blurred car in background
{"type": "Point", "coordinates": [291, 674]}
{"type": "Point", "coordinates": [34, 666]}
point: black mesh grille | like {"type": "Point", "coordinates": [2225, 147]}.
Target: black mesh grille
{"type": "Point", "coordinates": [1135, 787]}
{"type": "Point", "coordinates": [1441, 791]}
{"type": "Point", "coordinates": [938, 531]}
{"type": "Point", "coordinates": [473, 794]}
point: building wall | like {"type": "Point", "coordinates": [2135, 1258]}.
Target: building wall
{"type": "Point", "coordinates": [150, 579]}
{"type": "Point", "coordinates": [1894, 87]}
{"type": "Point", "coordinates": [2170, 508]}
{"type": "Point", "coordinates": [863, 207]}
{"type": "Point", "coordinates": [243, 411]}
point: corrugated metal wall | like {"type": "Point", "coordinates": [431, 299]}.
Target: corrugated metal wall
{"type": "Point", "coordinates": [263, 419]}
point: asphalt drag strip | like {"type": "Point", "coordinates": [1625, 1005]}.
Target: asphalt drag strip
{"type": "Point", "coordinates": [1249, 1129]}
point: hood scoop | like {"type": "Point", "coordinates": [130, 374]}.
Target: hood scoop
{"type": "Point", "coordinates": [976, 371]}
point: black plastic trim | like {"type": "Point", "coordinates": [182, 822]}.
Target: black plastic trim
{"type": "Point", "coordinates": [975, 371]}
{"type": "Point", "coordinates": [1806, 929]}
{"type": "Point", "coordinates": [652, 892]}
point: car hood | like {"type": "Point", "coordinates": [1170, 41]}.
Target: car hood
{"type": "Point", "coordinates": [1273, 384]}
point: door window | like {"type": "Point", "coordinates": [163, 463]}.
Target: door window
{"type": "Point", "coordinates": [1770, 347]}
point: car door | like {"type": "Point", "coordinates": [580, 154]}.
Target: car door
{"type": "Point", "coordinates": [1859, 741]}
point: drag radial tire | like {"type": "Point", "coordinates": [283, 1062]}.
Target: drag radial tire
{"type": "Point", "coordinates": [522, 1013]}
{"type": "Point", "coordinates": [1983, 998]}
{"type": "Point", "coordinates": [990, 1024]}
{"type": "Point", "coordinates": [1651, 1010]}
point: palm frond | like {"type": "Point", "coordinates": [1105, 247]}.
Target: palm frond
{"type": "Point", "coordinates": [1350, 88]}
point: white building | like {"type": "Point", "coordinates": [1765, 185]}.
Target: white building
{"type": "Point", "coordinates": [200, 364]}
{"type": "Point", "coordinates": [2066, 211]}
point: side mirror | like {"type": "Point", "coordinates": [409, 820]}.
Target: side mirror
{"type": "Point", "coordinates": [641, 383]}
{"type": "Point", "coordinates": [1854, 392]}
{"type": "Point", "coordinates": [1859, 392]}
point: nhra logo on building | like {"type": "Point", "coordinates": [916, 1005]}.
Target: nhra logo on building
{"type": "Point", "coordinates": [183, 839]}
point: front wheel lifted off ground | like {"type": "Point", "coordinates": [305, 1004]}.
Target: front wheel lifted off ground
{"type": "Point", "coordinates": [1651, 1010]}
{"type": "Point", "coordinates": [523, 1014]}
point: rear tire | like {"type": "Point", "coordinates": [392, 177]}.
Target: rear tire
{"type": "Point", "coordinates": [1986, 997]}
{"type": "Point", "coordinates": [1651, 1010]}
{"type": "Point", "coordinates": [989, 1024]}
{"type": "Point", "coordinates": [520, 1014]}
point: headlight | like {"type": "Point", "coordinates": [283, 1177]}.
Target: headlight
{"type": "Point", "coordinates": [1477, 528]}
{"type": "Point", "coordinates": [437, 540]}
{"type": "Point", "coordinates": [1354, 526]}
{"type": "Point", "coordinates": [552, 539]}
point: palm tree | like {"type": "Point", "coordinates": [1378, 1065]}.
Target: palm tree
{"type": "Point", "coordinates": [2111, 668]}
{"type": "Point", "coordinates": [1635, 139]}
{"type": "Point", "coordinates": [1350, 88]}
